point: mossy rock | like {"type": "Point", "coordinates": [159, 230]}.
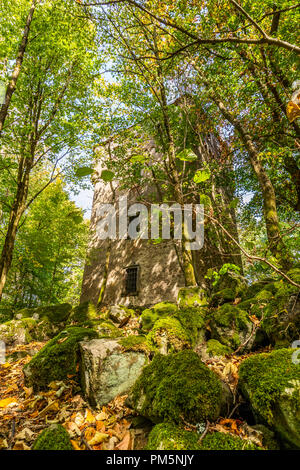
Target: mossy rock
{"type": "Point", "coordinates": [185, 329]}
{"type": "Point", "coordinates": [19, 332]}
{"type": "Point", "coordinates": [84, 312]}
{"type": "Point", "coordinates": [191, 297]}
{"type": "Point", "coordinates": [215, 349]}
{"type": "Point", "coordinates": [168, 335]}
{"type": "Point", "coordinates": [151, 315]}
{"type": "Point", "coordinates": [119, 313]}
{"type": "Point", "coordinates": [231, 326]}
{"type": "Point", "coordinates": [167, 436]}
{"type": "Point", "coordinates": [175, 386]}
{"type": "Point", "coordinates": [58, 360]}
{"type": "Point", "coordinates": [54, 313]}
{"type": "Point", "coordinates": [256, 287]}
{"type": "Point", "coordinates": [281, 314]}
{"type": "Point", "coordinates": [271, 383]}
{"type": "Point", "coordinates": [222, 441]}
{"type": "Point", "coordinates": [233, 281]}
{"type": "Point", "coordinates": [222, 296]}
{"type": "Point", "coordinates": [107, 329]}
{"type": "Point", "coordinates": [53, 438]}
{"type": "Point", "coordinates": [135, 343]}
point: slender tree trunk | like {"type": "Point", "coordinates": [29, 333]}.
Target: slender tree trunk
{"type": "Point", "coordinates": [276, 244]}
{"type": "Point", "coordinates": [18, 65]}
{"type": "Point", "coordinates": [16, 213]}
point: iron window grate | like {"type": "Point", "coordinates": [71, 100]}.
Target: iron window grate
{"type": "Point", "coordinates": [131, 279]}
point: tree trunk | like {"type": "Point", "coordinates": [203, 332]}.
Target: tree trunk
{"type": "Point", "coordinates": [17, 69]}
{"type": "Point", "coordinates": [276, 244]}
{"type": "Point", "coordinates": [16, 213]}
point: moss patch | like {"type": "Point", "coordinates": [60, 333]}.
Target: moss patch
{"type": "Point", "coordinates": [166, 436]}
{"type": "Point", "coordinates": [222, 441]}
{"type": "Point", "coordinates": [192, 297]}
{"type": "Point", "coordinates": [230, 325]}
{"type": "Point", "coordinates": [58, 359]}
{"type": "Point", "coordinates": [82, 313]}
{"type": "Point", "coordinates": [177, 385]}
{"type": "Point", "coordinates": [135, 343]}
{"type": "Point", "coordinates": [215, 348]}
{"type": "Point", "coordinates": [53, 438]}
{"type": "Point", "coordinates": [151, 315]}
{"type": "Point", "coordinates": [54, 313]}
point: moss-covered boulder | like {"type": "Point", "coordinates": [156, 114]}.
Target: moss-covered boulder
{"type": "Point", "coordinates": [271, 383]}
{"type": "Point", "coordinates": [58, 360]}
{"type": "Point", "coordinates": [280, 314]}
{"type": "Point", "coordinates": [168, 335]}
{"type": "Point", "coordinates": [56, 314]}
{"type": "Point", "coordinates": [231, 326]}
{"type": "Point", "coordinates": [82, 313]}
{"type": "Point", "coordinates": [175, 386]}
{"type": "Point", "coordinates": [109, 368]}
{"type": "Point", "coordinates": [53, 438]}
{"type": "Point", "coordinates": [231, 280]}
{"type": "Point", "coordinates": [107, 329]}
{"type": "Point", "coordinates": [19, 332]}
{"type": "Point", "coordinates": [167, 436]}
{"type": "Point", "coordinates": [151, 315]}
{"type": "Point", "coordinates": [191, 297]}
{"type": "Point", "coordinates": [184, 329]}
{"type": "Point", "coordinates": [119, 313]}
{"type": "Point", "coordinates": [222, 296]}
{"type": "Point", "coordinates": [222, 441]}
{"type": "Point", "coordinates": [135, 343]}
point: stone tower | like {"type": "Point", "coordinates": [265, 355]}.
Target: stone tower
{"type": "Point", "coordinates": [142, 273]}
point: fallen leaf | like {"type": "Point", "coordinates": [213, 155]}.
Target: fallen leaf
{"type": "Point", "coordinates": [125, 444]}
{"type": "Point", "coordinates": [98, 438]}
{"type": "Point", "coordinates": [7, 401]}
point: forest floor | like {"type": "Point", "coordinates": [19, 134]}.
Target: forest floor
{"type": "Point", "coordinates": [24, 414]}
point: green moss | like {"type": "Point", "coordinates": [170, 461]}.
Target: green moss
{"type": "Point", "coordinates": [106, 329]}
{"type": "Point", "coordinates": [222, 296]}
{"type": "Point", "coordinates": [54, 313]}
{"type": "Point", "coordinates": [215, 348]}
{"type": "Point", "coordinates": [135, 343]}
{"type": "Point", "coordinates": [256, 287]}
{"type": "Point", "coordinates": [177, 385]}
{"type": "Point", "coordinates": [84, 312]}
{"type": "Point", "coordinates": [264, 295]}
{"type": "Point", "coordinates": [53, 438]}
{"type": "Point", "coordinates": [168, 333]}
{"type": "Point", "coordinates": [264, 377]}
{"type": "Point", "coordinates": [294, 274]}
{"type": "Point", "coordinates": [192, 297]}
{"type": "Point", "coordinates": [193, 321]}
{"type": "Point", "coordinates": [166, 436]}
{"type": "Point", "coordinates": [222, 441]}
{"type": "Point", "coordinates": [161, 310]}
{"type": "Point", "coordinates": [231, 316]}
{"type": "Point", "coordinates": [58, 359]}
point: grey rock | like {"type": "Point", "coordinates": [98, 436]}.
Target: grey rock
{"type": "Point", "coordinates": [107, 370]}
